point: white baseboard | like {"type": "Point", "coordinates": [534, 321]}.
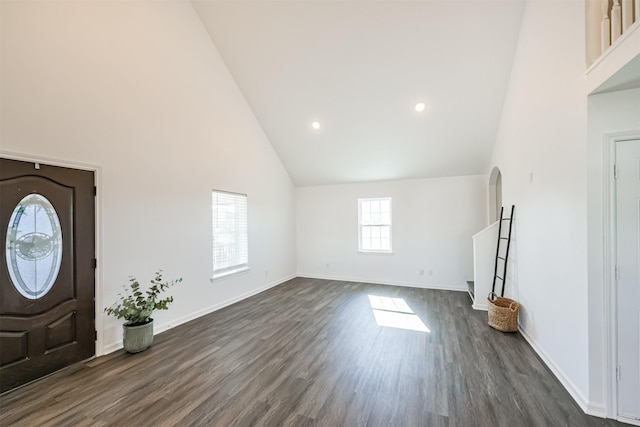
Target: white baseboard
{"type": "Point", "coordinates": [191, 316]}
{"type": "Point", "coordinates": [483, 307]}
{"type": "Point", "coordinates": [597, 410]}
{"type": "Point", "coordinates": [580, 399]}
{"type": "Point", "coordinates": [211, 309]}
{"type": "Point", "coordinates": [461, 288]}
{"type": "Point", "coordinates": [630, 421]}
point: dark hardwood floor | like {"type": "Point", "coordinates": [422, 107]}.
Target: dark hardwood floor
{"type": "Point", "coordinates": [309, 352]}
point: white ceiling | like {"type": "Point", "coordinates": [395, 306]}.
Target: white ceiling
{"type": "Point", "coordinates": [359, 67]}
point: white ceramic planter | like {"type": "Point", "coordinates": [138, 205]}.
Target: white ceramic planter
{"type": "Point", "coordinates": [137, 338]}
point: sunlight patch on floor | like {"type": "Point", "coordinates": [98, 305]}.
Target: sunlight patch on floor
{"type": "Point", "coordinates": [390, 304]}
{"type": "Point", "coordinates": [395, 313]}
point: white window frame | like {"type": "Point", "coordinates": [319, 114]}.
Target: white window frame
{"type": "Point", "coordinates": [239, 234]}
{"type": "Point", "coordinates": [362, 224]}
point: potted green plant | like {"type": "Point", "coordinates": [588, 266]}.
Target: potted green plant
{"type": "Point", "coordinates": [136, 306]}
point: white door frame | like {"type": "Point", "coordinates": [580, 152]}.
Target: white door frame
{"type": "Point", "coordinates": [609, 262]}
{"type": "Point", "coordinates": [99, 315]}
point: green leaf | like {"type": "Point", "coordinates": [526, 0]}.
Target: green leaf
{"type": "Point", "coordinates": [136, 305]}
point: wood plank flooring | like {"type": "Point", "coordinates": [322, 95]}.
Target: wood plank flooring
{"type": "Point", "coordinates": [310, 353]}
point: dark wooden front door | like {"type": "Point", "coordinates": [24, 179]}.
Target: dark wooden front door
{"type": "Point", "coordinates": [47, 279]}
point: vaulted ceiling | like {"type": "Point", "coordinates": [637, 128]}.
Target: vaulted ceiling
{"type": "Point", "coordinates": [358, 68]}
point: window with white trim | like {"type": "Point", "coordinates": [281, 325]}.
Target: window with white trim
{"type": "Point", "coordinates": [230, 233]}
{"type": "Point", "coordinates": [374, 225]}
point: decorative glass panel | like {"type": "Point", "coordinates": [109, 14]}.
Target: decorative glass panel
{"type": "Point", "coordinates": [34, 246]}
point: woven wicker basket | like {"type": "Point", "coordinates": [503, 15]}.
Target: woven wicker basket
{"type": "Point", "coordinates": [503, 313]}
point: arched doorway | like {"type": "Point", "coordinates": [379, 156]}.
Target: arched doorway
{"type": "Point", "coordinates": [495, 195]}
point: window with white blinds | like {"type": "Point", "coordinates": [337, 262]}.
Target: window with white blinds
{"type": "Point", "coordinates": [374, 225]}
{"type": "Point", "coordinates": [230, 233]}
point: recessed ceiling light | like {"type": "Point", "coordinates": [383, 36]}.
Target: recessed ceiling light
{"type": "Point", "coordinates": [420, 106]}
{"type": "Point", "coordinates": [315, 125]}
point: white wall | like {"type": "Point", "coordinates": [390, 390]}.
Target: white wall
{"type": "Point", "coordinates": [138, 89]}
{"type": "Point", "coordinates": [609, 114]}
{"type": "Point", "coordinates": [541, 152]}
{"type": "Point", "coordinates": [433, 221]}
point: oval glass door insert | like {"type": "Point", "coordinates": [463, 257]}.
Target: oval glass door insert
{"type": "Point", "coordinates": [34, 246]}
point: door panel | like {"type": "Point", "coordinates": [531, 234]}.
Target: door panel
{"type": "Point", "coordinates": [47, 284]}
{"type": "Point", "coordinates": [628, 283]}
